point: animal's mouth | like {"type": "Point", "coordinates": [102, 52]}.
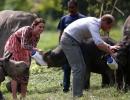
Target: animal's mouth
{"type": "Point", "coordinates": [49, 62]}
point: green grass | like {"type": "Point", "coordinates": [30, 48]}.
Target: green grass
{"type": "Point", "coordinates": [48, 40]}
{"type": "Point", "coordinates": [44, 83]}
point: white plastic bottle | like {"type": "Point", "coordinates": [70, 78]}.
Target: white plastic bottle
{"type": "Point", "coordinates": [38, 58]}
{"type": "Point", "coordinates": [112, 63]}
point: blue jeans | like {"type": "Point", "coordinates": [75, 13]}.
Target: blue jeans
{"type": "Point", "coordinates": [66, 76]}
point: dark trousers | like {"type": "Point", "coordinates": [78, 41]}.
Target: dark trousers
{"type": "Point", "coordinates": [66, 76]}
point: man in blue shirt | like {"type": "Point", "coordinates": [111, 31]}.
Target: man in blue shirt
{"type": "Point", "coordinates": [64, 22]}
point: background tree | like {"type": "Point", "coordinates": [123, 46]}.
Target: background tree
{"type": "Point", "coordinates": [54, 9]}
{"type": "Point", "coordinates": [2, 3]}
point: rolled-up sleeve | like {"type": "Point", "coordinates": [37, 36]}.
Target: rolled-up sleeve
{"type": "Point", "coordinates": [94, 30]}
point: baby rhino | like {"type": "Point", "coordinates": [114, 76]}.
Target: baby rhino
{"type": "Point", "coordinates": [11, 68]}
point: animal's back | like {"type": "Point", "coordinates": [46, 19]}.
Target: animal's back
{"type": "Point", "coordinates": [10, 21]}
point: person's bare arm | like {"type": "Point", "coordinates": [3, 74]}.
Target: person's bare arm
{"type": "Point", "coordinates": [108, 48]}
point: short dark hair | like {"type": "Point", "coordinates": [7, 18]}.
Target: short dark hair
{"type": "Point", "coordinates": [74, 2]}
{"type": "Point", "coordinates": [37, 21]}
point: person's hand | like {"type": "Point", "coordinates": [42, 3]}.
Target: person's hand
{"type": "Point", "coordinates": [37, 49]}
{"type": "Point", "coordinates": [114, 48]}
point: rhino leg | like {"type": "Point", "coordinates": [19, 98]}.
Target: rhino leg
{"type": "Point", "coordinates": [1, 96]}
{"type": "Point", "coordinates": [2, 74]}
{"type": "Point", "coordinates": [8, 86]}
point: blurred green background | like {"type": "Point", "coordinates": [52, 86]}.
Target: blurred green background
{"type": "Point", "coordinates": [52, 10]}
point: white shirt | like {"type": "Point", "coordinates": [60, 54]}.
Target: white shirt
{"type": "Point", "coordinates": [85, 28]}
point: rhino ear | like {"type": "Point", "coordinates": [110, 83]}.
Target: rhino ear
{"type": "Point", "coordinates": [8, 56]}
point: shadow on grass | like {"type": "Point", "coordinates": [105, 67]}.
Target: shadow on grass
{"type": "Point", "coordinates": [97, 87]}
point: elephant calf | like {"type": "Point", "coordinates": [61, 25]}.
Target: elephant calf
{"type": "Point", "coordinates": [94, 59]}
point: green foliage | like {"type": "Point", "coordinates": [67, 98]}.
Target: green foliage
{"type": "Point", "coordinates": [48, 8]}
{"type": "Point", "coordinates": [94, 10]}
{"type": "Point", "coordinates": [54, 9]}
{"type": "Point", "coordinates": [2, 3]}
{"type": "Point", "coordinates": [17, 5]}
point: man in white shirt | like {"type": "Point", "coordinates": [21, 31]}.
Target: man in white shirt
{"type": "Point", "coordinates": [76, 33]}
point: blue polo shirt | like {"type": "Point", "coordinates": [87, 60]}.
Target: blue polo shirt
{"type": "Point", "coordinates": [67, 19]}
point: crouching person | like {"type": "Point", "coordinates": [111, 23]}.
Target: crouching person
{"type": "Point", "coordinates": [21, 44]}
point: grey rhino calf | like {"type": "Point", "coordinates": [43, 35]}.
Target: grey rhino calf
{"type": "Point", "coordinates": [11, 68]}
